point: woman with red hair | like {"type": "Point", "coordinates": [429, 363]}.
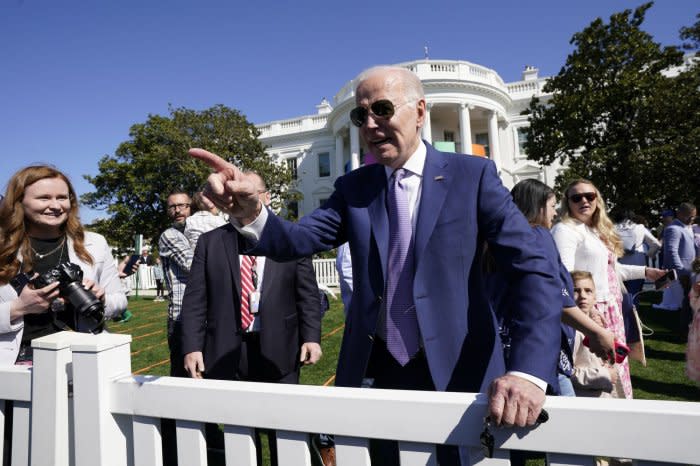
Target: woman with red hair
{"type": "Point", "coordinates": [39, 230]}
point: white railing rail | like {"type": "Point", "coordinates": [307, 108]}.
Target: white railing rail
{"type": "Point", "coordinates": [114, 417]}
{"type": "Point", "coordinates": [326, 274]}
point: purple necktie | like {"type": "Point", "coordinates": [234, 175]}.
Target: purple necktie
{"type": "Point", "coordinates": [402, 334]}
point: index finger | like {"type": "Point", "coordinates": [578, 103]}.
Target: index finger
{"type": "Point", "coordinates": [211, 159]}
{"type": "Point", "coordinates": [497, 404]}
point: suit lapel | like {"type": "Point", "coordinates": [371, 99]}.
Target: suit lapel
{"type": "Point", "coordinates": [269, 276]}
{"type": "Point", "coordinates": [379, 220]}
{"type": "Point", "coordinates": [231, 249]}
{"type": "Point", "coordinates": [436, 184]}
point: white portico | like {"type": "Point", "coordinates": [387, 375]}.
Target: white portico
{"type": "Point", "coordinates": [470, 110]}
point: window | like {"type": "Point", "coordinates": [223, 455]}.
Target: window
{"type": "Point", "coordinates": [449, 136]}
{"type": "Point", "coordinates": [522, 137]}
{"type": "Point", "coordinates": [483, 140]}
{"type": "Point", "coordinates": [324, 164]}
{"type": "Point", "coordinates": [292, 167]}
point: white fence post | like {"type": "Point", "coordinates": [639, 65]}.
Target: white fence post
{"type": "Point", "coordinates": [21, 441]}
{"type": "Point", "coordinates": [101, 437]}
{"type": "Point", "coordinates": [293, 448]}
{"type": "Point", "coordinates": [191, 444]}
{"type": "Point", "coordinates": [50, 405]}
{"type": "Point", "coordinates": [16, 385]}
{"type": "Point", "coordinates": [352, 451]}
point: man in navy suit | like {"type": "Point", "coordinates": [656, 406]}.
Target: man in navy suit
{"type": "Point", "coordinates": [286, 324]}
{"type": "Point", "coordinates": [457, 204]}
{"type": "Point", "coordinates": [220, 343]}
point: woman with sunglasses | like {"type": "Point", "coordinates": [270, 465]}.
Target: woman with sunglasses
{"type": "Point", "coordinates": [40, 229]}
{"type": "Point", "coordinates": [587, 240]}
{"type": "Point", "coordinates": [537, 202]}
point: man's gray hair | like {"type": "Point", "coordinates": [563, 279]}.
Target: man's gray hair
{"type": "Point", "coordinates": [411, 85]}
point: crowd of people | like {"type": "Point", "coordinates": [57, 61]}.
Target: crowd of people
{"type": "Point", "coordinates": [456, 284]}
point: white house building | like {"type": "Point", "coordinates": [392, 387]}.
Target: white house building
{"type": "Point", "coordinates": [470, 110]}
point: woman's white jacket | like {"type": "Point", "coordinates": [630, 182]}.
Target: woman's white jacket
{"type": "Point", "coordinates": [103, 271]}
{"type": "Point", "coordinates": [580, 248]}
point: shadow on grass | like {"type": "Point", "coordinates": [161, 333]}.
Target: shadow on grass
{"type": "Point", "coordinates": [652, 353]}
{"type": "Point", "coordinates": [672, 390]}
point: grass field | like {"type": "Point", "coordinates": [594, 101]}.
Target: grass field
{"type": "Point", "coordinates": [662, 379]}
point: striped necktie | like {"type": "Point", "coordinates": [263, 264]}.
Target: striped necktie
{"type": "Point", "coordinates": [248, 286]}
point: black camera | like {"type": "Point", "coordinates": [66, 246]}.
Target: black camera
{"type": "Point", "coordinates": [88, 311]}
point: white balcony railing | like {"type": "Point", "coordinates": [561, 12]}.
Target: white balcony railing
{"type": "Point", "coordinates": [113, 418]}
{"type": "Point", "coordinates": [293, 125]}
{"type": "Point", "coordinates": [450, 70]}
{"type": "Point", "coordinates": [326, 274]}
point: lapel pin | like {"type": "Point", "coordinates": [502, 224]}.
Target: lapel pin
{"type": "Point", "coordinates": [439, 178]}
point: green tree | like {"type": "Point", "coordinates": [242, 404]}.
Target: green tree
{"type": "Point", "coordinates": [618, 117]}
{"type": "Point", "coordinates": [133, 184]}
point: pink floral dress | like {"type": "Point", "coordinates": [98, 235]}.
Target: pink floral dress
{"type": "Point", "coordinates": [692, 366]}
{"type": "Point", "coordinates": [616, 324]}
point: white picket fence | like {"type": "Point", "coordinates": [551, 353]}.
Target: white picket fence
{"type": "Point", "coordinates": [80, 405]}
{"type": "Point", "coordinates": [326, 274]}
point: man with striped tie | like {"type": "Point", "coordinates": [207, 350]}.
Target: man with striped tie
{"type": "Point", "coordinates": [249, 318]}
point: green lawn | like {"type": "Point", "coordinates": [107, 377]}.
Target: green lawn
{"type": "Point", "coordinates": [664, 377]}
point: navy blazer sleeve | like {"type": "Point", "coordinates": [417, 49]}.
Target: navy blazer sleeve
{"type": "Point", "coordinates": [194, 303]}
{"type": "Point", "coordinates": [308, 302]}
{"type": "Point", "coordinates": [533, 274]}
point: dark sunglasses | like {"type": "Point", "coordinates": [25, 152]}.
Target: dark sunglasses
{"type": "Point", "coordinates": [384, 109]}
{"type": "Point", "coordinates": [576, 198]}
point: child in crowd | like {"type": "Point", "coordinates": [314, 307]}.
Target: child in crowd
{"type": "Point", "coordinates": [591, 377]}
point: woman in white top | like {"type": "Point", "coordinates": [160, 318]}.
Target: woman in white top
{"type": "Point", "coordinates": [587, 240]}
{"type": "Point", "coordinates": [638, 243]}
{"type": "Point", "coordinates": [40, 229]}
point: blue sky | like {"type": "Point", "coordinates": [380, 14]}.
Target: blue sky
{"type": "Point", "coordinates": [75, 75]}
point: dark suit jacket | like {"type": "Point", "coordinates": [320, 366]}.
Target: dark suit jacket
{"type": "Point", "coordinates": [290, 310]}
{"type": "Point", "coordinates": [463, 203]}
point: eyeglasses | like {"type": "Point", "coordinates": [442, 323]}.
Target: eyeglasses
{"type": "Point", "coordinates": [576, 198]}
{"type": "Point", "coordinates": [383, 109]}
{"type": "Point", "coordinates": [175, 207]}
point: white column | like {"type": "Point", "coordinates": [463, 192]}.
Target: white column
{"type": "Point", "coordinates": [339, 165]}
{"type": "Point", "coordinates": [493, 140]}
{"type": "Point", "coordinates": [52, 358]}
{"type": "Point", "coordinates": [354, 147]}
{"type": "Point", "coordinates": [100, 436]}
{"type": "Point", "coordinates": [465, 128]}
{"type": "Point", "coordinates": [427, 133]}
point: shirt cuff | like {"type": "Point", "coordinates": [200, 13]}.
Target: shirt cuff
{"type": "Point", "coordinates": [531, 378]}
{"type": "Point", "coordinates": [252, 231]}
